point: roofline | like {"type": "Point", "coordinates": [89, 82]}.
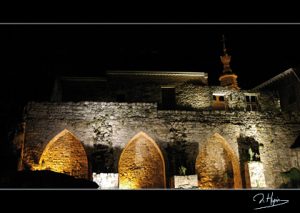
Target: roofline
{"type": "Point", "coordinates": [87, 79]}
{"type": "Point", "coordinates": [276, 78]}
{"type": "Point", "coordinates": [157, 73]}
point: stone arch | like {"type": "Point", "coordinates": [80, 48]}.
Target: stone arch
{"type": "Point", "coordinates": [141, 164]}
{"type": "Point", "coordinates": [65, 154]}
{"type": "Point", "coordinates": [217, 165]}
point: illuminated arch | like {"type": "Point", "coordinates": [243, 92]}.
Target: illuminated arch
{"type": "Point", "coordinates": [65, 154]}
{"type": "Point", "coordinates": [141, 164]}
{"type": "Point", "coordinates": [217, 165]}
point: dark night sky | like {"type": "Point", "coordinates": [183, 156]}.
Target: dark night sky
{"type": "Point", "coordinates": [31, 55]}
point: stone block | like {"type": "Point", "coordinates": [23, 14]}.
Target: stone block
{"type": "Point", "coordinates": [185, 182]}
{"type": "Point", "coordinates": [106, 180]}
{"type": "Point", "coordinates": [255, 177]}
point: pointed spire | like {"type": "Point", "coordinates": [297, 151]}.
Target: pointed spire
{"type": "Point", "coordinates": [225, 59]}
{"type": "Point", "coordinates": [227, 78]}
{"type": "Point", "coordinates": [224, 44]}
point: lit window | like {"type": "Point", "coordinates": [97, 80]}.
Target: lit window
{"type": "Point", "coordinates": [219, 98]}
{"type": "Point", "coordinates": [219, 102]}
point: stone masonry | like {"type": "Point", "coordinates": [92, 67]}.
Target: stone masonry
{"type": "Point", "coordinates": [112, 125]}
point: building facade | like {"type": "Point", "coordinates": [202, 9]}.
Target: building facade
{"type": "Point", "coordinates": [150, 129]}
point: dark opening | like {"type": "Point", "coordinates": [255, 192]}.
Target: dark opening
{"type": "Point", "coordinates": [292, 95]}
{"type": "Point", "coordinates": [120, 97]}
{"type": "Point", "coordinates": [253, 98]}
{"type": "Point", "coordinates": [296, 144]}
{"type": "Point", "coordinates": [168, 98]}
{"type": "Point", "coordinates": [221, 98]}
{"type": "Point", "coordinates": [249, 151]}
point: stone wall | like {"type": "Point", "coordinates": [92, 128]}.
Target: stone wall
{"type": "Point", "coordinates": [113, 125]}
{"type": "Point", "coordinates": [192, 96]}
{"type": "Point", "coordinates": [189, 95]}
{"type": "Point", "coordinates": [141, 164]}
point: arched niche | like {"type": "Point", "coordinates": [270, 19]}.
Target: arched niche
{"type": "Point", "coordinates": [141, 164]}
{"type": "Point", "coordinates": [65, 154]}
{"type": "Point", "coordinates": [217, 165]}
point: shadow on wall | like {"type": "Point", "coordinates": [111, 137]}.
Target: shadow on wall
{"type": "Point", "coordinates": [181, 157]}
{"type": "Point", "coordinates": [104, 159]}
{"type": "Point", "coordinates": [292, 177]}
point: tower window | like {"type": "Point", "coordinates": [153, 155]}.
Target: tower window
{"type": "Point", "coordinates": [219, 102]}
{"type": "Point", "coordinates": [219, 98]}
{"type": "Point", "coordinates": [251, 103]}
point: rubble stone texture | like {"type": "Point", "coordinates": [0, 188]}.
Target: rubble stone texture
{"type": "Point", "coordinates": [141, 164]}
{"type": "Point", "coordinates": [217, 166]}
{"type": "Point", "coordinates": [114, 125]}
{"type": "Point", "coordinates": [65, 154]}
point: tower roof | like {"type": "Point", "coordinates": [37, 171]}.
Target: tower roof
{"type": "Point", "coordinates": [227, 78]}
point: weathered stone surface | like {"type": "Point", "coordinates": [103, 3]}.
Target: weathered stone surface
{"type": "Point", "coordinates": [217, 165]}
{"type": "Point", "coordinates": [186, 182]}
{"type": "Point", "coordinates": [255, 177]}
{"type": "Point", "coordinates": [65, 154]}
{"type": "Point", "coordinates": [115, 124]}
{"type": "Point", "coordinates": [141, 164]}
{"type": "Point", "coordinates": [106, 180]}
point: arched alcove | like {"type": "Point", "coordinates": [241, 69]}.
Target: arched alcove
{"type": "Point", "coordinates": [141, 164]}
{"type": "Point", "coordinates": [65, 154]}
{"type": "Point", "coordinates": [217, 165]}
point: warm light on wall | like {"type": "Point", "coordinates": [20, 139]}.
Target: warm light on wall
{"type": "Point", "coordinates": [132, 184]}
{"type": "Point", "coordinates": [217, 165]}
{"type": "Point", "coordinates": [64, 154]}
{"type": "Point", "coordinates": [141, 164]}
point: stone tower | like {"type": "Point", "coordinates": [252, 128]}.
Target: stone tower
{"type": "Point", "coordinates": [227, 78]}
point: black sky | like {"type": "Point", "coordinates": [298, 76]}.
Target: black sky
{"type": "Point", "coordinates": [31, 55]}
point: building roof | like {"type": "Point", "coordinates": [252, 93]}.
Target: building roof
{"type": "Point", "coordinates": [157, 73]}
{"type": "Point", "coordinates": [276, 78]}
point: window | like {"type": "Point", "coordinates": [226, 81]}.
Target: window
{"type": "Point", "coordinates": [168, 97]}
{"type": "Point", "coordinates": [219, 102]}
{"type": "Point", "coordinates": [219, 98]}
{"type": "Point", "coordinates": [251, 103]}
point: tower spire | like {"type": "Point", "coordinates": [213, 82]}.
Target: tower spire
{"type": "Point", "coordinates": [224, 44]}
{"type": "Point", "coordinates": [227, 78]}
{"type": "Point", "coordinates": [225, 58]}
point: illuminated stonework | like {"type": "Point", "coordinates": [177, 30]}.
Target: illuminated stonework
{"type": "Point", "coordinates": [106, 180]}
{"type": "Point", "coordinates": [255, 177]}
{"type": "Point", "coordinates": [141, 164]}
{"type": "Point", "coordinates": [119, 106]}
{"type": "Point", "coordinates": [217, 165]}
{"type": "Point", "coordinates": [65, 154]}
